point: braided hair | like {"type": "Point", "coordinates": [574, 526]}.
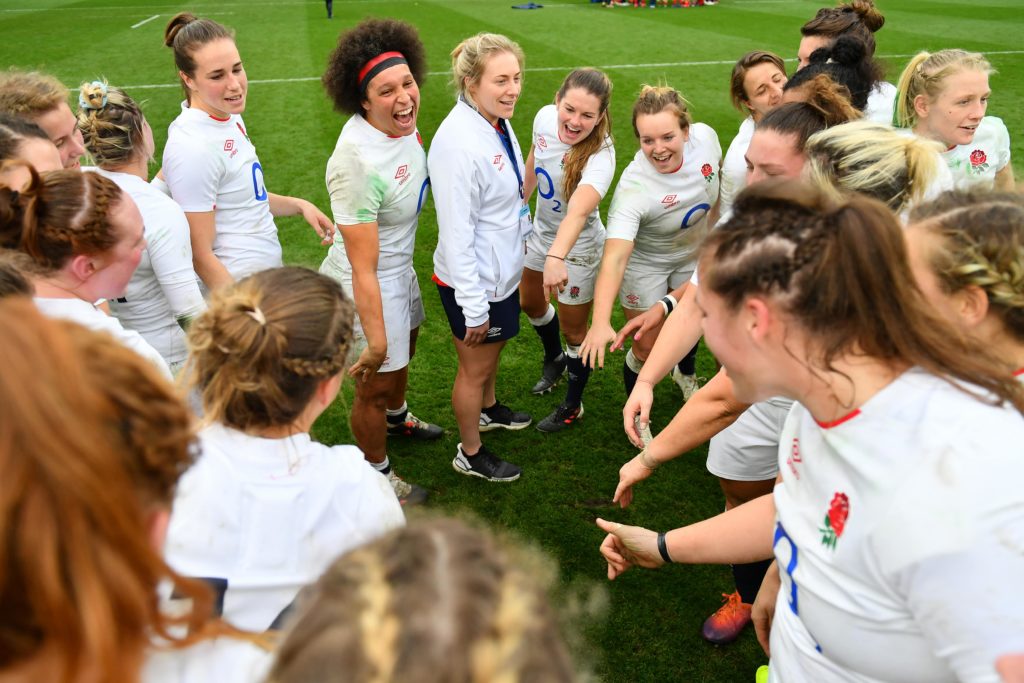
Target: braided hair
{"type": "Point", "coordinates": [265, 343]}
{"type": "Point", "coordinates": [840, 271]}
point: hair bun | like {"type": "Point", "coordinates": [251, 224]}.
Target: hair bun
{"type": "Point", "coordinates": [174, 26]}
{"type": "Point", "coordinates": [869, 14]}
{"type": "Point", "coordinates": [848, 50]}
{"type": "Point", "coordinates": [92, 96]}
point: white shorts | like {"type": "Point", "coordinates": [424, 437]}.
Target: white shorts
{"type": "Point", "coordinates": [403, 313]}
{"type": "Point", "coordinates": [582, 269]}
{"type": "Point", "coordinates": [643, 286]}
{"type": "Point", "coordinates": [748, 449]}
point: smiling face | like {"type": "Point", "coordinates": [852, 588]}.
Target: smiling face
{"type": "Point", "coordinates": [773, 155]}
{"type": "Point", "coordinates": [808, 44]}
{"type": "Point", "coordinates": [578, 114]}
{"type": "Point", "coordinates": [219, 84]}
{"type": "Point", "coordinates": [662, 140]}
{"type": "Point", "coordinates": [498, 89]}
{"type": "Point", "coordinates": [61, 126]}
{"type": "Point", "coordinates": [393, 101]}
{"type": "Point", "coordinates": [762, 87]}
{"type": "Point", "coordinates": [727, 334]}
{"type": "Point", "coordinates": [952, 117]}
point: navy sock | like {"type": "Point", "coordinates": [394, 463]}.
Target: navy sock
{"type": "Point", "coordinates": [629, 377]}
{"type": "Point", "coordinates": [748, 578]}
{"type": "Point", "coordinates": [578, 376]}
{"type": "Point", "coordinates": [551, 337]}
{"type": "Point", "coordinates": [688, 365]}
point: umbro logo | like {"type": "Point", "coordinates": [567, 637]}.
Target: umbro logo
{"type": "Point", "coordinates": [493, 332]}
{"type": "Point", "coordinates": [669, 200]}
{"type": "Point", "coordinates": [229, 145]}
{"type": "Point", "coordinates": [497, 159]}
{"type": "Point", "coordinates": [541, 142]}
{"type": "Point", "coordinates": [402, 170]}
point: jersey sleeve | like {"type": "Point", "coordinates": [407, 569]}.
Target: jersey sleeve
{"type": "Point", "coordinates": [600, 169]}
{"type": "Point", "coordinates": [193, 175]}
{"type": "Point", "coordinates": [170, 253]}
{"type": "Point", "coordinates": [627, 209]}
{"type": "Point", "coordinates": [356, 189]}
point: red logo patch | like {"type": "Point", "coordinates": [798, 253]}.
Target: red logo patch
{"type": "Point", "coordinates": [402, 170]}
{"type": "Point", "coordinates": [669, 200]}
{"type": "Point", "coordinates": [229, 145]}
{"type": "Point", "coordinates": [978, 158]}
{"type": "Point", "coordinates": [541, 142]}
{"type": "Point", "coordinates": [574, 292]}
{"type": "Point", "coordinates": [835, 520]}
{"type": "Point", "coordinates": [633, 299]}
{"type": "Point", "coordinates": [497, 159]}
{"type": "Point", "coordinates": [794, 458]}
{"type": "Point", "coordinates": [706, 170]}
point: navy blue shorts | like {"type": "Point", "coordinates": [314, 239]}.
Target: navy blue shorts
{"type": "Point", "coordinates": [503, 315]}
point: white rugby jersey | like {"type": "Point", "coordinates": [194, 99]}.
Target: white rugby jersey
{"type": "Point", "coordinates": [374, 177]}
{"type": "Point", "coordinates": [264, 517]}
{"type": "Point", "coordinates": [734, 166]}
{"type": "Point", "coordinates": [881, 103]}
{"type": "Point", "coordinates": [900, 539]}
{"type": "Point", "coordinates": [211, 165]}
{"type": "Point", "coordinates": [482, 223]}
{"type": "Point", "coordinates": [548, 157]}
{"type": "Point", "coordinates": [164, 290]}
{"type": "Point", "coordinates": [218, 660]}
{"type": "Point", "coordinates": [87, 315]}
{"type": "Point", "coordinates": [975, 165]}
{"type": "Point", "coordinates": [665, 214]}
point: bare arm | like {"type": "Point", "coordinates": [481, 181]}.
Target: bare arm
{"type": "Point", "coordinates": [530, 178]}
{"type": "Point", "coordinates": [609, 279]}
{"type": "Point", "coordinates": [202, 228]}
{"type": "Point", "coordinates": [582, 203]}
{"type": "Point", "coordinates": [1004, 179]}
{"type": "Point", "coordinates": [282, 205]}
{"type": "Point", "coordinates": [363, 249]}
{"type": "Point", "coordinates": [740, 535]}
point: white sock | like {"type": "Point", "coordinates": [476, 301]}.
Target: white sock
{"type": "Point", "coordinates": [397, 411]}
{"type": "Point", "coordinates": [634, 363]}
{"type": "Point", "coordinates": [572, 350]}
{"type": "Point", "coordinates": [548, 316]}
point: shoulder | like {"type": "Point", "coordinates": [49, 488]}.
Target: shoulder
{"type": "Point", "coordinates": [993, 128]}
{"type": "Point", "coordinates": [701, 134]}
{"type": "Point", "coordinates": [545, 118]}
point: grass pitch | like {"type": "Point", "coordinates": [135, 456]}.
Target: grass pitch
{"type": "Point", "coordinates": [649, 630]}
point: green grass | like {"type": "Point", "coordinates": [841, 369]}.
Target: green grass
{"type": "Point", "coordinates": [650, 631]}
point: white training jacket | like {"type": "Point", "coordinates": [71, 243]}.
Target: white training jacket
{"type": "Point", "coordinates": [481, 237]}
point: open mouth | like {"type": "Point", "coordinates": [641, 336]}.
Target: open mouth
{"type": "Point", "coordinates": [661, 158]}
{"type": "Point", "coordinates": [571, 131]}
{"type": "Point", "coordinates": [235, 99]}
{"type": "Point", "coordinates": [405, 117]}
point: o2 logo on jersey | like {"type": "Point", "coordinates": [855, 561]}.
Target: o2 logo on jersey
{"type": "Point", "coordinates": [258, 185]}
{"type": "Point", "coordinates": [781, 535]}
{"type": "Point", "coordinates": [695, 215]}
{"type": "Point", "coordinates": [556, 205]}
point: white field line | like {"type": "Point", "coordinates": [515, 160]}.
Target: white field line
{"type": "Point", "coordinates": [609, 67]}
{"type": "Point", "coordinates": [145, 21]}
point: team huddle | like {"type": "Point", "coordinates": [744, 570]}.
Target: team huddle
{"type": "Point", "coordinates": [854, 261]}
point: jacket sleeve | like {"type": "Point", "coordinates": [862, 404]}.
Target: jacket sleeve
{"type": "Point", "coordinates": [456, 186]}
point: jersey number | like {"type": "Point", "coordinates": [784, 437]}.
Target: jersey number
{"type": "Point", "coordinates": [541, 173]}
{"type": "Point", "coordinates": [689, 220]}
{"type": "Point", "coordinates": [258, 186]}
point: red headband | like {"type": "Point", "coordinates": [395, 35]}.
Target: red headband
{"type": "Point", "coordinates": [373, 67]}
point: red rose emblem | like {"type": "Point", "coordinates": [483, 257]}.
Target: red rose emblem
{"type": "Point", "coordinates": [706, 169]}
{"type": "Point", "coordinates": [978, 157]}
{"type": "Point", "coordinates": [838, 511]}
{"type": "Point", "coordinates": [835, 520]}
{"type": "Point", "coordinates": [574, 292]}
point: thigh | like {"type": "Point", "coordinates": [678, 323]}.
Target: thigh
{"type": "Point", "coordinates": [478, 362]}
{"type": "Point", "coordinates": [531, 293]}
{"type": "Point", "coordinates": [573, 320]}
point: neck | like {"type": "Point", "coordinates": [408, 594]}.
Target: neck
{"type": "Point", "coordinates": [196, 103]}
{"type": "Point", "coordinates": [852, 381]}
{"type": "Point", "coordinates": [137, 166]}
{"type": "Point", "coordinates": [56, 287]}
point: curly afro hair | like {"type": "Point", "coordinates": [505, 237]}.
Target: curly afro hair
{"type": "Point", "coordinates": [361, 44]}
